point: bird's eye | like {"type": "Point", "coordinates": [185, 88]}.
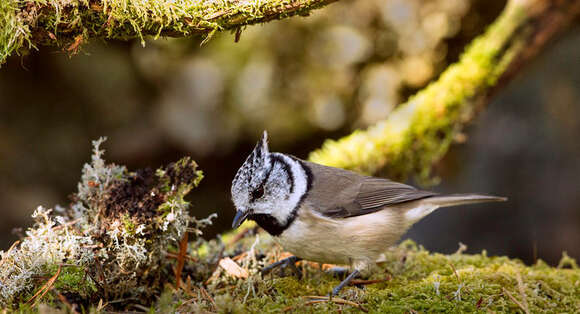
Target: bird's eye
{"type": "Point", "coordinates": [258, 193]}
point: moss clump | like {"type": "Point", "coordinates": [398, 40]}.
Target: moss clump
{"type": "Point", "coordinates": [111, 242]}
{"type": "Point", "coordinates": [420, 131]}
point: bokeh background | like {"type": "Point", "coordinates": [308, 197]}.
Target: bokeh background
{"type": "Point", "coordinates": [303, 79]}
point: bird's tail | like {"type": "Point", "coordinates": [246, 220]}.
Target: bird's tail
{"type": "Point", "coordinates": [429, 204]}
{"type": "Point", "coordinates": [461, 199]}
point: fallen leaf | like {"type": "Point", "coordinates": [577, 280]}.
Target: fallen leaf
{"type": "Point", "coordinates": [232, 268]}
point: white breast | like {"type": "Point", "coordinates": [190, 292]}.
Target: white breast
{"type": "Point", "coordinates": [350, 241]}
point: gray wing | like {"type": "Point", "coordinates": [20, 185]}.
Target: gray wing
{"type": "Point", "coordinates": [376, 193]}
{"type": "Point", "coordinates": [339, 193]}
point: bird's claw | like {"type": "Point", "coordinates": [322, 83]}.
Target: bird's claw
{"type": "Point", "coordinates": [345, 282]}
{"type": "Point", "coordinates": [287, 262]}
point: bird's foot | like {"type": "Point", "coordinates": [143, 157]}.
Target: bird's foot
{"type": "Point", "coordinates": [283, 264]}
{"type": "Point", "coordinates": [345, 282]}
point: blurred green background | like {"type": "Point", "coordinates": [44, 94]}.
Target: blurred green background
{"type": "Point", "coordinates": [303, 79]}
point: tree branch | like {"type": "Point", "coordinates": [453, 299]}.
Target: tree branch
{"type": "Point", "coordinates": [27, 24]}
{"type": "Point", "coordinates": [419, 132]}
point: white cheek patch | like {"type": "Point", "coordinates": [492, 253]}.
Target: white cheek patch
{"type": "Point", "coordinates": [284, 205]}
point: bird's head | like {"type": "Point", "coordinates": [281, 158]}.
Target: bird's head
{"type": "Point", "coordinates": [268, 186]}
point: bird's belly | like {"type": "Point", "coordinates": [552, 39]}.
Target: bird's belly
{"type": "Point", "coordinates": [312, 247]}
{"type": "Point", "coordinates": [359, 239]}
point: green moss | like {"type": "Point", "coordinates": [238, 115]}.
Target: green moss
{"type": "Point", "coordinates": [128, 224]}
{"type": "Point", "coordinates": [419, 132]}
{"type": "Point", "coordinates": [418, 281]}
{"type": "Point", "coordinates": [68, 24]}
{"type": "Point", "coordinates": [13, 33]}
{"type": "Point", "coordinates": [75, 279]}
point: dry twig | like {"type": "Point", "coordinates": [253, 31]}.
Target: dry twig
{"type": "Point", "coordinates": [515, 301]}
{"type": "Point", "coordinates": [356, 282]}
{"type": "Point", "coordinates": [208, 297]}
{"type": "Point", "coordinates": [522, 291]}
{"type": "Point", "coordinates": [180, 260]}
{"type": "Point", "coordinates": [45, 288]}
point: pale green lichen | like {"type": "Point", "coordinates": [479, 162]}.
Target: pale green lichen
{"type": "Point", "coordinates": [420, 131]}
{"type": "Point", "coordinates": [70, 23]}
{"type": "Point", "coordinates": [47, 244]}
{"type": "Point", "coordinates": [112, 241]}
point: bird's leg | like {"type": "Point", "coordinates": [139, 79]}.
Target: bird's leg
{"type": "Point", "coordinates": [345, 282]}
{"type": "Point", "coordinates": [338, 272]}
{"type": "Point", "coordinates": [289, 261]}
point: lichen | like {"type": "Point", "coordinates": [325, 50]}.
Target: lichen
{"type": "Point", "coordinates": [419, 132]}
{"type": "Point", "coordinates": [112, 241]}
{"type": "Point", "coordinates": [47, 244]}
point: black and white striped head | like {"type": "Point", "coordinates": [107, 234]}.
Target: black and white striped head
{"type": "Point", "coordinates": [268, 188]}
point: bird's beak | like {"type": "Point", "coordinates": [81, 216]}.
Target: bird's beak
{"type": "Point", "coordinates": [241, 216]}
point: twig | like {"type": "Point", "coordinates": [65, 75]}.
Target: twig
{"type": "Point", "coordinates": [45, 288]}
{"type": "Point", "coordinates": [180, 260]}
{"type": "Point", "coordinates": [515, 301]}
{"type": "Point", "coordinates": [240, 256]}
{"type": "Point", "coordinates": [141, 307]}
{"type": "Point", "coordinates": [462, 248]}
{"type": "Point", "coordinates": [192, 300]}
{"type": "Point", "coordinates": [101, 305]}
{"type": "Point", "coordinates": [455, 272]}
{"type": "Point", "coordinates": [522, 292]}
{"type": "Point", "coordinates": [356, 282]}
{"type": "Point", "coordinates": [176, 256]}
{"type": "Point", "coordinates": [187, 287]}
{"type": "Point", "coordinates": [207, 296]}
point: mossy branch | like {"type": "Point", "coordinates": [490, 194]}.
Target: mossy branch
{"type": "Point", "coordinates": [27, 24]}
{"type": "Point", "coordinates": [419, 132]}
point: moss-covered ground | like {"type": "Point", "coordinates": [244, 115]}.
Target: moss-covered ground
{"type": "Point", "coordinates": [410, 280]}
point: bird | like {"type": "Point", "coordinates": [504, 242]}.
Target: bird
{"type": "Point", "coordinates": [330, 215]}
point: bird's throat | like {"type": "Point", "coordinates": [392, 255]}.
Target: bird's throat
{"type": "Point", "coordinates": [271, 224]}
